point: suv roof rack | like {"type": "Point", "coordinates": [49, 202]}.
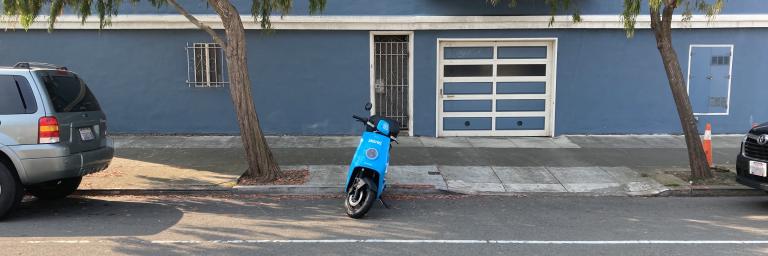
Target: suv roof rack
{"type": "Point", "coordinates": [29, 65]}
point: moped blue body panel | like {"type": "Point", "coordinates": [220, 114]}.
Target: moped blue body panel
{"type": "Point", "coordinates": [372, 154]}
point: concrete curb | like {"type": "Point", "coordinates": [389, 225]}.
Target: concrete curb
{"type": "Point", "coordinates": [696, 191]}
{"type": "Point", "coordinates": [327, 190]}
{"type": "Point", "coordinates": [715, 190]}
{"type": "Point", "coordinates": [263, 190]}
{"type": "Point", "coordinates": [653, 193]}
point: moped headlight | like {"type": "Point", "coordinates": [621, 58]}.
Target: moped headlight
{"type": "Point", "coordinates": [371, 153]}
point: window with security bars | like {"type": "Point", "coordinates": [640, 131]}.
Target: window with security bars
{"type": "Point", "coordinates": [205, 65]}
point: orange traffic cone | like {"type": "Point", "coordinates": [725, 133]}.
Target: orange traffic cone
{"type": "Point", "coordinates": [708, 144]}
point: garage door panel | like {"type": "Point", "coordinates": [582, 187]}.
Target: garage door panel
{"type": "Point", "coordinates": [521, 88]}
{"type": "Point", "coordinates": [467, 105]}
{"type": "Point", "coordinates": [520, 123]}
{"type": "Point", "coordinates": [520, 105]}
{"type": "Point", "coordinates": [522, 70]}
{"type": "Point", "coordinates": [467, 123]}
{"type": "Point", "coordinates": [467, 88]}
{"type": "Point", "coordinates": [522, 52]}
{"type": "Point", "coordinates": [454, 53]}
{"type": "Point", "coordinates": [467, 70]}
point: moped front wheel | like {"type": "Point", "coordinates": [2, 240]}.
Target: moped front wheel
{"type": "Point", "coordinates": [360, 197]}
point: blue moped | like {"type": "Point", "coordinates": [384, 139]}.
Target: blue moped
{"type": "Point", "coordinates": [367, 172]}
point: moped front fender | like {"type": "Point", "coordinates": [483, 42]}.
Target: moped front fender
{"type": "Point", "coordinates": [371, 159]}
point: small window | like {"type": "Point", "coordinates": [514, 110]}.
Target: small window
{"type": "Point", "coordinates": [522, 52]}
{"type": "Point", "coordinates": [205, 65]}
{"type": "Point", "coordinates": [467, 70]}
{"type": "Point", "coordinates": [453, 53]}
{"type": "Point", "coordinates": [16, 96]}
{"type": "Point", "coordinates": [522, 70]}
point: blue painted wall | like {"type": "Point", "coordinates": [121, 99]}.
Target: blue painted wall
{"type": "Point", "coordinates": [436, 7]}
{"type": "Point", "coordinates": [608, 84]}
{"type": "Point", "coordinates": [304, 82]}
{"type": "Point", "coordinates": [310, 82]}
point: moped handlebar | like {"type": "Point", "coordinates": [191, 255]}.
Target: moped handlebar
{"type": "Point", "coordinates": [364, 120]}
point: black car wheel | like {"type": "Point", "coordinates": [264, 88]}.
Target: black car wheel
{"type": "Point", "coordinates": [57, 189]}
{"type": "Point", "coordinates": [11, 191]}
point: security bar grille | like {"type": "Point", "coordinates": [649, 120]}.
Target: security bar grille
{"type": "Point", "coordinates": [391, 59]}
{"type": "Point", "coordinates": [205, 65]}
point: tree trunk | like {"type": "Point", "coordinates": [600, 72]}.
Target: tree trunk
{"type": "Point", "coordinates": [662, 28]}
{"type": "Point", "coordinates": [261, 163]}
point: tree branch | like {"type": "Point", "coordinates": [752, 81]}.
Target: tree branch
{"type": "Point", "coordinates": [669, 10]}
{"type": "Point", "coordinates": [206, 28]}
{"type": "Point", "coordinates": [219, 7]}
{"type": "Point", "coordinates": [656, 22]}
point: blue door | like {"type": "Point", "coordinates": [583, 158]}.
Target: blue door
{"type": "Point", "coordinates": [709, 79]}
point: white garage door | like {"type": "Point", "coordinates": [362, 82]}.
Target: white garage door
{"type": "Point", "coordinates": [496, 88]}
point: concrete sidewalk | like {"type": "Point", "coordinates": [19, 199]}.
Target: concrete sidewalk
{"type": "Point", "coordinates": [568, 141]}
{"type": "Point", "coordinates": [614, 165]}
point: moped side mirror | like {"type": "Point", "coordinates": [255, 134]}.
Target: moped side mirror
{"type": "Point", "coordinates": [368, 106]}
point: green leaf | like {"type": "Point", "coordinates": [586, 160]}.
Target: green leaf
{"type": "Point", "coordinates": [26, 11]}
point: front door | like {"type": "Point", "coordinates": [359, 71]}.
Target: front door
{"type": "Point", "coordinates": [391, 80]}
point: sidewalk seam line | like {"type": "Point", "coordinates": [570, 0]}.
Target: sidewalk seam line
{"type": "Point", "coordinates": [443, 176]}
{"type": "Point", "coordinates": [558, 180]}
{"type": "Point", "coordinates": [497, 176]}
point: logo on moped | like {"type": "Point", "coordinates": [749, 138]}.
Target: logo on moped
{"type": "Point", "coordinates": [374, 142]}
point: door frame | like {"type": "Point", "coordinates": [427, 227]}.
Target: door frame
{"type": "Point", "coordinates": [552, 80]}
{"type": "Point", "coordinates": [372, 75]}
{"type": "Point", "coordinates": [730, 75]}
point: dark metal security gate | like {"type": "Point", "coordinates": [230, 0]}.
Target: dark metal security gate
{"type": "Point", "coordinates": [391, 60]}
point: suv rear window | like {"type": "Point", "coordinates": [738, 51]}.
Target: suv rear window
{"type": "Point", "coordinates": [16, 96]}
{"type": "Point", "coordinates": [68, 92]}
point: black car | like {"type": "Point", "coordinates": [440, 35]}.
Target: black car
{"type": "Point", "coordinates": [753, 159]}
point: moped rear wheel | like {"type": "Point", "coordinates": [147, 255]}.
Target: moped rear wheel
{"type": "Point", "coordinates": [360, 197]}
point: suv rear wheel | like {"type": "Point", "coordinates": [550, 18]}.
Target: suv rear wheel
{"type": "Point", "coordinates": [11, 191]}
{"type": "Point", "coordinates": [56, 189]}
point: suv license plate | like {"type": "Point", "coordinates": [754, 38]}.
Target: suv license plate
{"type": "Point", "coordinates": [86, 134]}
{"type": "Point", "coordinates": [757, 168]}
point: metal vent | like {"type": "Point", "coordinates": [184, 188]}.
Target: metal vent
{"type": "Point", "coordinates": [721, 60]}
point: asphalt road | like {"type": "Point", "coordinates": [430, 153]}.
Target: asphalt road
{"type": "Point", "coordinates": [176, 225]}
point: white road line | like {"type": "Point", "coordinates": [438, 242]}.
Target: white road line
{"type": "Point", "coordinates": [397, 241]}
{"type": "Point", "coordinates": [57, 242]}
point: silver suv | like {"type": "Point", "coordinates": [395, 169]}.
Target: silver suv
{"type": "Point", "coordinates": [52, 133]}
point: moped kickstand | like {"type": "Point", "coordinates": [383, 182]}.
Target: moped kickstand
{"type": "Point", "coordinates": [384, 203]}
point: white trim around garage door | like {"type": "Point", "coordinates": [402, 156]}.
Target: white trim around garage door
{"type": "Point", "coordinates": [551, 80]}
{"type": "Point", "coordinates": [401, 23]}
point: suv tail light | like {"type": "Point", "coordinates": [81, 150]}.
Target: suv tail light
{"type": "Point", "coordinates": [104, 126]}
{"type": "Point", "coordinates": [48, 128]}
